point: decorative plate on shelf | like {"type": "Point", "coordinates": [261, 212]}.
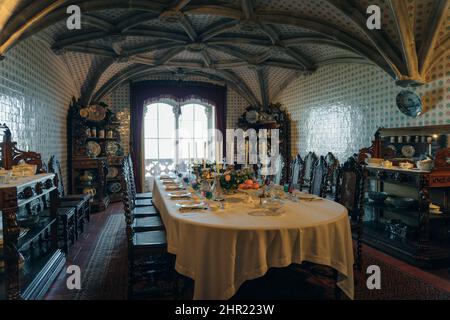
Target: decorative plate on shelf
{"type": "Point", "coordinates": [408, 151]}
{"type": "Point", "coordinates": [112, 173]}
{"type": "Point", "coordinates": [252, 116]}
{"type": "Point", "coordinates": [84, 113]}
{"type": "Point", "coordinates": [94, 148]}
{"type": "Point", "coordinates": [114, 187]}
{"type": "Point", "coordinates": [112, 148]}
{"type": "Point", "coordinates": [97, 113]}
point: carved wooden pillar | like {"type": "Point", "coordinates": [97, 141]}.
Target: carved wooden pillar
{"type": "Point", "coordinates": [11, 232]}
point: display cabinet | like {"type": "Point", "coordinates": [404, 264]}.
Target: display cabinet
{"type": "Point", "coordinates": [94, 147]}
{"type": "Point", "coordinates": [29, 255]}
{"type": "Point", "coordinates": [407, 211]}
{"type": "Point", "coordinates": [272, 118]}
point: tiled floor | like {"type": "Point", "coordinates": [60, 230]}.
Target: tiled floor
{"type": "Point", "coordinates": [83, 250]}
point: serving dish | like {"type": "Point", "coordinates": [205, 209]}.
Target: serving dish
{"type": "Point", "coordinates": [374, 161]}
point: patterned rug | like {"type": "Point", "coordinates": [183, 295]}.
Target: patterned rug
{"type": "Point", "coordinates": [396, 285]}
{"type": "Point", "coordinates": [105, 277]}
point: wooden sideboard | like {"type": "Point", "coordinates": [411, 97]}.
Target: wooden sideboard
{"type": "Point", "coordinates": [410, 232]}
{"type": "Point", "coordinates": [30, 244]}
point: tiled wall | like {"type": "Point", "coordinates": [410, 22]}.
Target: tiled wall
{"type": "Point", "coordinates": [340, 107]}
{"type": "Point", "coordinates": [119, 102]}
{"type": "Point", "coordinates": [35, 92]}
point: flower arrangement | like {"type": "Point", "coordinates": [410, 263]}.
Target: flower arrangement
{"type": "Point", "coordinates": [231, 179]}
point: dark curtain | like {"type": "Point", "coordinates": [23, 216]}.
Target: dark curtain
{"type": "Point", "coordinates": [151, 91]}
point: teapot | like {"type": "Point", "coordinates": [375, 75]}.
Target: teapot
{"type": "Point", "coordinates": [425, 165]}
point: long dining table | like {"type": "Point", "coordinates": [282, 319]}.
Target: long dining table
{"type": "Point", "coordinates": [221, 248]}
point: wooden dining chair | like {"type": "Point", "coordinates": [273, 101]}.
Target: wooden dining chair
{"type": "Point", "coordinates": [296, 168]}
{"type": "Point", "coordinates": [80, 202]}
{"type": "Point", "coordinates": [141, 199]}
{"type": "Point", "coordinates": [333, 166]}
{"type": "Point", "coordinates": [148, 259]}
{"type": "Point", "coordinates": [350, 193]}
{"type": "Point", "coordinates": [319, 178]}
{"type": "Point", "coordinates": [307, 171]}
{"type": "Point", "coordinates": [143, 218]}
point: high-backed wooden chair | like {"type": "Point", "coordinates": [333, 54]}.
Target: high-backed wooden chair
{"type": "Point", "coordinates": [350, 193]}
{"type": "Point", "coordinates": [80, 202]}
{"type": "Point", "coordinates": [147, 246]}
{"type": "Point", "coordinates": [141, 199]}
{"type": "Point", "coordinates": [333, 166]}
{"type": "Point", "coordinates": [296, 169]}
{"type": "Point", "coordinates": [307, 171]}
{"type": "Point", "coordinates": [319, 178]}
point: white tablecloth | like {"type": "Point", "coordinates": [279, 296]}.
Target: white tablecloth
{"type": "Point", "coordinates": [222, 249]}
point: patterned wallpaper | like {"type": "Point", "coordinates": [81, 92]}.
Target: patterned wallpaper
{"type": "Point", "coordinates": [35, 92]}
{"type": "Point", "coordinates": [340, 107]}
{"type": "Point", "coordinates": [119, 102]}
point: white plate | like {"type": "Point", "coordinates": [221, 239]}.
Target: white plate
{"type": "Point", "coordinates": [192, 205]}
{"type": "Point", "coordinates": [180, 194]}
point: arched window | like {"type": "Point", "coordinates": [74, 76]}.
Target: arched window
{"type": "Point", "coordinates": [176, 135]}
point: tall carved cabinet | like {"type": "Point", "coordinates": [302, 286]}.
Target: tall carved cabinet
{"type": "Point", "coordinates": [94, 153]}
{"type": "Point", "coordinates": [272, 118]}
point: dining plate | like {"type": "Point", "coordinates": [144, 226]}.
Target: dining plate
{"type": "Point", "coordinates": [408, 151]}
{"type": "Point", "coordinates": [113, 172]}
{"type": "Point", "coordinates": [180, 194]}
{"type": "Point", "coordinates": [192, 205]}
{"type": "Point", "coordinates": [174, 188]}
{"type": "Point", "coordinates": [94, 148]}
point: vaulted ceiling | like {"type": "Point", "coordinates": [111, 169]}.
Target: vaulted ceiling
{"type": "Point", "coordinates": [256, 47]}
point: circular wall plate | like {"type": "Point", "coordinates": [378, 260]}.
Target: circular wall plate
{"type": "Point", "coordinates": [409, 103]}
{"type": "Point", "coordinates": [113, 172]}
{"type": "Point", "coordinates": [114, 187]}
{"type": "Point", "coordinates": [96, 113]}
{"type": "Point", "coordinates": [408, 151]}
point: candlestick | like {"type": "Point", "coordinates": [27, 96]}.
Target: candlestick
{"type": "Point", "coordinates": [204, 151]}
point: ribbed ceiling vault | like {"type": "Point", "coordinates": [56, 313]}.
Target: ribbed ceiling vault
{"type": "Point", "coordinates": [242, 43]}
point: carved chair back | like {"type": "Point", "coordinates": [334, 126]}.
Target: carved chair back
{"type": "Point", "coordinates": [308, 167]}
{"type": "Point", "coordinates": [127, 198]}
{"type": "Point", "coordinates": [333, 166]}
{"type": "Point", "coordinates": [11, 155]}
{"type": "Point", "coordinates": [319, 177]}
{"type": "Point", "coordinates": [296, 169]}
{"type": "Point", "coordinates": [350, 188]}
